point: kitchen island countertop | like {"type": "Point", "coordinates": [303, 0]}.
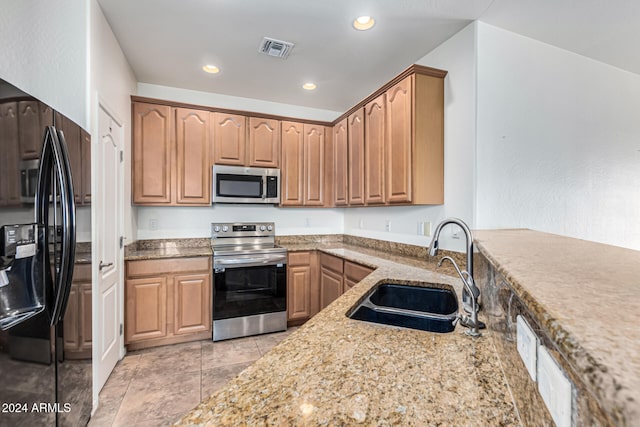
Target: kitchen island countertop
{"type": "Point", "coordinates": [339, 371]}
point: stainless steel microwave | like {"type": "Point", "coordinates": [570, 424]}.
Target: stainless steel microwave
{"type": "Point", "coordinates": [239, 184]}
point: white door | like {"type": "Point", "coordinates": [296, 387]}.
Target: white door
{"type": "Point", "coordinates": [108, 204]}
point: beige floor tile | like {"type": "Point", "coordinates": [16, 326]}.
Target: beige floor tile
{"type": "Point", "coordinates": [187, 356]}
{"type": "Point", "coordinates": [213, 379]}
{"type": "Point", "coordinates": [157, 386]}
{"type": "Point", "coordinates": [159, 397]}
{"type": "Point", "coordinates": [221, 353]}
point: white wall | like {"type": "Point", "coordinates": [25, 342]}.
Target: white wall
{"type": "Point", "coordinates": [235, 102]}
{"type": "Point", "coordinates": [43, 45]}
{"type": "Point", "coordinates": [113, 82]}
{"type": "Point", "coordinates": [558, 148]}
{"type": "Point", "coordinates": [457, 56]}
{"type": "Point", "coordinates": [175, 222]}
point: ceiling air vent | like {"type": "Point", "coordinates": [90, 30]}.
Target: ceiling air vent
{"type": "Point", "coordinates": [273, 47]}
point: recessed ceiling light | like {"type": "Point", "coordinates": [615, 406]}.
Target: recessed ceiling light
{"type": "Point", "coordinates": [309, 86]}
{"type": "Point", "coordinates": [363, 23]}
{"type": "Point", "coordinates": [211, 69]}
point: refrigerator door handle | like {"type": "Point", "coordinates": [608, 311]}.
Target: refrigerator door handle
{"type": "Point", "coordinates": [55, 161]}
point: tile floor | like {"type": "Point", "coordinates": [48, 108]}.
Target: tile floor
{"type": "Point", "coordinates": [155, 387]}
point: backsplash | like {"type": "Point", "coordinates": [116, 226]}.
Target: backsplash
{"type": "Point", "coordinates": [501, 306]}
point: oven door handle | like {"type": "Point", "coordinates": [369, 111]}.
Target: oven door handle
{"type": "Point", "coordinates": [249, 262]}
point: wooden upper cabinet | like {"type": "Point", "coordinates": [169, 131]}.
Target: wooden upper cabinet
{"type": "Point", "coordinates": [374, 148]}
{"type": "Point", "coordinates": [152, 146]}
{"type": "Point", "coordinates": [193, 157]}
{"type": "Point", "coordinates": [399, 140]}
{"type": "Point", "coordinates": [264, 142]}
{"type": "Point", "coordinates": [31, 130]}
{"type": "Point", "coordinates": [10, 161]}
{"type": "Point", "coordinates": [341, 164]}
{"type": "Point", "coordinates": [356, 157]}
{"type": "Point", "coordinates": [292, 171]}
{"type": "Point", "coordinates": [314, 164]}
{"type": "Point", "coordinates": [229, 139]}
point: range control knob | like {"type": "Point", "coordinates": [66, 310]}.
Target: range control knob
{"type": "Point", "coordinates": [270, 227]}
{"type": "Point", "coordinates": [216, 228]}
{"type": "Point", "coordinates": [225, 228]}
{"type": "Point", "coordinates": [262, 228]}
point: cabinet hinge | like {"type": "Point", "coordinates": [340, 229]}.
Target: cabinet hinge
{"type": "Point", "coordinates": [121, 156]}
{"type": "Point", "coordinates": [121, 242]}
{"type": "Point", "coordinates": [121, 328]}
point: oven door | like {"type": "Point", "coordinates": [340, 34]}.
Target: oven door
{"type": "Point", "coordinates": [249, 285]}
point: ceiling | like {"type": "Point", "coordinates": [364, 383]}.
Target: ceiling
{"type": "Point", "coordinates": [168, 41]}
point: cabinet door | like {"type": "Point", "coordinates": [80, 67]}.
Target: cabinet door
{"type": "Point", "coordinates": [10, 160]}
{"type": "Point", "coordinates": [85, 142]}
{"type": "Point", "coordinates": [264, 142]}
{"type": "Point", "coordinates": [30, 132]}
{"type": "Point", "coordinates": [374, 146]}
{"type": "Point", "coordinates": [71, 132]}
{"type": "Point", "coordinates": [71, 326]}
{"type": "Point", "coordinates": [146, 310]}
{"type": "Point", "coordinates": [331, 286]}
{"type": "Point", "coordinates": [314, 152]}
{"type": "Point", "coordinates": [398, 142]}
{"type": "Point", "coordinates": [299, 292]}
{"type": "Point", "coordinates": [152, 146]}
{"type": "Point", "coordinates": [292, 171]}
{"type": "Point", "coordinates": [192, 299]}
{"type": "Point", "coordinates": [354, 273]}
{"type": "Point", "coordinates": [84, 322]}
{"type": "Point", "coordinates": [193, 158]}
{"type": "Point", "coordinates": [341, 164]}
{"type": "Point", "coordinates": [229, 139]}
{"type": "Point", "coordinates": [356, 157]}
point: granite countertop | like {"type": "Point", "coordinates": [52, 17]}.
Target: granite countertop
{"type": "Point", "coordinates": [167, 248]}
{"type": "Point", "coordinates": [339, 371]}
{"type": "Point", "coordinates": [587, 296]}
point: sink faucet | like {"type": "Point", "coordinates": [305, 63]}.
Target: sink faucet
{"type": "Point", "coordinates": [433, 251]}
{"type": "Point", "coordinates": [472, 321]}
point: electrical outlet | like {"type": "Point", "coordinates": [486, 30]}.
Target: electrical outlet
{"type": "Point", "coordinates": [361, 223]}
{"type": "Point", "coordinates": [153, 224]}
{"type": "Point", "coordinates": [307, 222]}
{"type": "Point", "coordinates": [527, 345]}
{"type": "Point", "coordinates": [426, 228]}
{"type": "Point", "coordinates": [555, 388]}
{"type": "Point", "coordinates": [387, 225]}
{"type": "Point", "coordinates": [455, 234]}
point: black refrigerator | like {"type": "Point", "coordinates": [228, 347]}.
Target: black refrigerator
{"type": "Point", "coordinates": [39, 384]}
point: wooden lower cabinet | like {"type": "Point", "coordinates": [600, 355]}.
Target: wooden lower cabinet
{"type": "Point", "coordinates": [331, 279]}
{"type": "Point", "coordinates": [302, 286]}
{"type": "Point", "coordinates": [77, 319]}
{"type": "Point", "coordinates": [314, 280]}
{"type": "Point", "coordinates": [167, 301]}
{"type": "Point", "coordinates": [354, 273]}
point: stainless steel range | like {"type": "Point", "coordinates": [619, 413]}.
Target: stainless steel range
{"type": "Point", "coordinates": [250, 280]}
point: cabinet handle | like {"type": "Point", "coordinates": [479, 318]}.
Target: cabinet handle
{"type": "Point", "coordinates": [102, 265]}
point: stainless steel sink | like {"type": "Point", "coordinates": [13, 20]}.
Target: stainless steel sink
{"type": "Point", "coordinates": [417, 307]}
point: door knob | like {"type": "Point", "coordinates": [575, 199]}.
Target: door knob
{"type": "Point", "coordinates": [102, 265]}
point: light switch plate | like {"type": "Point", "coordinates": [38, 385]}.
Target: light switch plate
{"type": "Point", "coordinates": [527, 345]}
{"type": "Point", "coordinates": [555, 388]}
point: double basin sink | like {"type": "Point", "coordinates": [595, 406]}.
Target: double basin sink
{"type": "Point", "coordinates": [424, 307]}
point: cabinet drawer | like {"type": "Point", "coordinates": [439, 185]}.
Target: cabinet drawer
{"type": "Point", "coordinates": [167, 265]}
{"type": "Point", "coordinates": [299, 258]}
{"type": "Point", "coordinates": [331, 262]}
{"type": "Point", "coordinates": [82, 273]}
{"type": "Point", "coordinates": [356, 272]}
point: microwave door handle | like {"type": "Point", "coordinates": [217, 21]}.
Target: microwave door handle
{"type": "Point", "coordinates": [264, 187]}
